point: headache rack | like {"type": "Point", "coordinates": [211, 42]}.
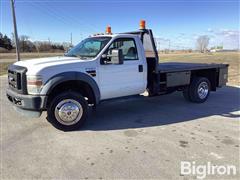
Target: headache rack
{"type": "Point", "coordinates": [153, 62]}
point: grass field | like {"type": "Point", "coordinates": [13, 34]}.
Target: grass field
{"type": "Point", "coordinates": [11, 56]}
{"type": "Point", "coordinates": [231, 58]}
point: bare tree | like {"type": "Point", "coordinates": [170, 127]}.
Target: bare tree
{"type": "Point", "coordinates": [22, 42]}
{"type": "Point", "coordinates": [67, 46]}
{"type": "Point", "coordinates": [202, 43]}
{"type": "Point", "coordinates": [26, 45]}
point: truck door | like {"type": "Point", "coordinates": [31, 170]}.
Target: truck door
{"type": "Point", "coordinates": [125, 79]}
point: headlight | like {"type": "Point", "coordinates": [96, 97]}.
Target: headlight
{"type": "Point", "coordinates": [34, 84]}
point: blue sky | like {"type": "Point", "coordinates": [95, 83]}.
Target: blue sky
{"type": "Point", "coordinates": [180, 21]}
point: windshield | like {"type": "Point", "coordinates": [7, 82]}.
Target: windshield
{"type": "Point", "coordinates": [89, 48]}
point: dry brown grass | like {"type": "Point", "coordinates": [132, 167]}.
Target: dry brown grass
{"type": "Point", "coordinates": [27, 55]}
{"type": "Point", "coordinates": [231, 58]}
{"type": "Point", "coordinates": [3, 68]}
{"type": "Point", "coordinates": [9, 58]}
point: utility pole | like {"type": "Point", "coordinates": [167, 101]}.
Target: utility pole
{"type": "Point", "coordinates": [15, 30]}
{"type": "Point", "coordinates": [169, 45]}
{"type": "Point", "coordinates": [71, 39]}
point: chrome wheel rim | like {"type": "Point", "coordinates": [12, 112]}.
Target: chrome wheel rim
{"type": "Point", "coordinates": [203, 90]}
{"type": "Point", "coordinates": [68, 112]}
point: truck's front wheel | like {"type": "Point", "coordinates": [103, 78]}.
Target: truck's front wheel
{"type": "Point", "coordinates": [68, 111]}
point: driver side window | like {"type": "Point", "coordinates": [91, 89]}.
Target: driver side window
{"type": "Point", "coordinates": [128, 47]}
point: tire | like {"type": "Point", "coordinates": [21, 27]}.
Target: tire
{"type": "Point", "coordinates": [198, 91]}
{"type": "Point", "coordinates": [68, 111]}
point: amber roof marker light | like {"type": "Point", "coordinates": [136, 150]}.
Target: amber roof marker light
{"type": "Point", "coordinates": [108, 30]}
{"type": "Point", "coordinates": [142, 24]}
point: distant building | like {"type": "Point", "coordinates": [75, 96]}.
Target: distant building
{"type": "Point", "coordinates": [216, 49]}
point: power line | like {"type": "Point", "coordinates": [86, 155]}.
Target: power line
{"type": "Point", "coordinates": [57, 16]}
{"type": "Point", "coordinates": [73, 18]}
{"type": "Point", "coordinates": [49, 13]}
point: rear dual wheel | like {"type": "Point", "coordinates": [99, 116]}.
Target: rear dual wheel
{"type": "Point", "coordinates": [198, 91]}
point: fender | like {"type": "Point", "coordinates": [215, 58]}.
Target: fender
{"type": "Point", "coordinates": [68, 76]}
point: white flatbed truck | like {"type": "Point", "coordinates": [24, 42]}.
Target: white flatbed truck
{"type": "Point", "coordinates": [103, 67]}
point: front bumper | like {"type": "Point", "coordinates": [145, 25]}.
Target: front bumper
{"type": "Point", "coordinates": [27, 102]}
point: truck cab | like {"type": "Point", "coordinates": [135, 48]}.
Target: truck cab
{"type": "Point", "coordinates": [102, 67]}
{"type": "Point", "coordinates": [128, 74]}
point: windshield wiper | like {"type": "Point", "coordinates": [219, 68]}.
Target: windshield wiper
{"type": "Point", "coordinates": [81, 57]}
{"type": "Point", "coordinates": [67, 55]}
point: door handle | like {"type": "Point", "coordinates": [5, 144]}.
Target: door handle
{"type": "Point", "coordinates": [140, 68]}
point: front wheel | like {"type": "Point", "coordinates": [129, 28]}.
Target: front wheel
{"type": "Point", "coordinates": [198, 91]}
{"type": "Point", "coordinates": [68, 111]}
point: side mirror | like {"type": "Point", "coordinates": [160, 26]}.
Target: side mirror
{"type": "Point", "coordinates": [68, 50]}
{"type": "Point", "coordinates": [104, 56]}
{"type": "Point", "coordinates": [116, 56]}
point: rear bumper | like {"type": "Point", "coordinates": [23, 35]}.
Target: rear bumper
{"type": "Point", "coordinates": [27, 102]}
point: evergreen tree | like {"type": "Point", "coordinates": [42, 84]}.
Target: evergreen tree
{"type": "Point", "coordinates": [1, 40]}
{"type": "Point", "coordinates": [5, 42]}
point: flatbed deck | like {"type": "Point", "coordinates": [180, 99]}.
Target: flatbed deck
{"type": "Point", "coordinates": [177, 67]}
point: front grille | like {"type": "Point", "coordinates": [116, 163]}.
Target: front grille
{"type": "Point", "coordinates": [17, 78]}
{"type": "Point", "coordinates": [14, 80]}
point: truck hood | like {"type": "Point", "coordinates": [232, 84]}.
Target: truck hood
{"type": "Point", "coordinates": [47, 61]}
{"type": "Point", "coordinates": [54, 65]}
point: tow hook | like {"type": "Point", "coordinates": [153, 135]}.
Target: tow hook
{"type": "Point", "coordinates": [17, 101]}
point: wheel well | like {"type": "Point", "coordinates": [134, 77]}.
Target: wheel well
{"type": "Point", "coordinates": [210, 74]}
{"type": "Point", "coordinates": [74, 85]}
